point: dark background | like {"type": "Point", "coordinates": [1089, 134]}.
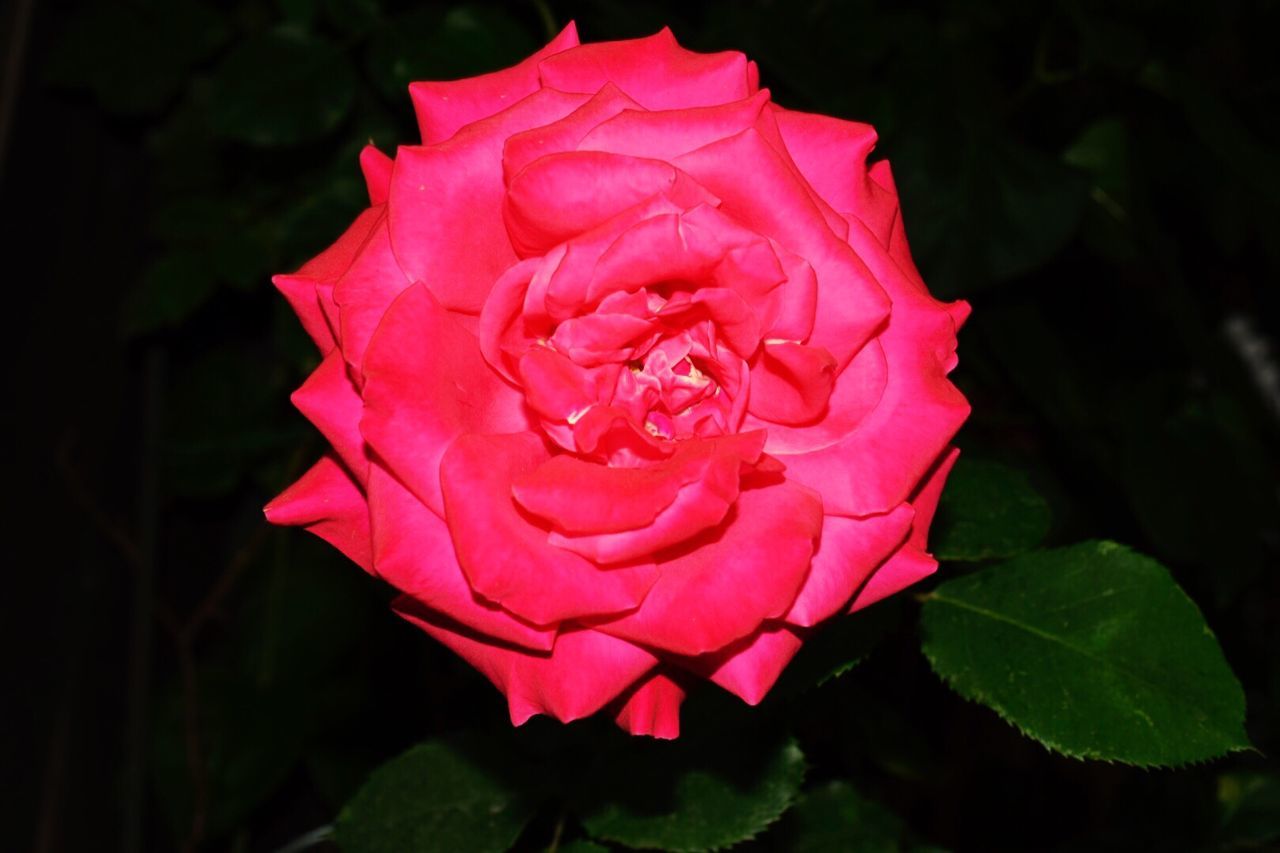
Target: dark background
{"type": "Point", "coordinates": [1100, 180]}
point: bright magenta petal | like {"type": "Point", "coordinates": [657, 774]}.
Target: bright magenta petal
{"type": "Point", "coordinates": [750, 667]}
{"type": "Point", "coordinates": [425, 384]}
{"type": "Point", "coordinates": [507, 558]}
{"type": "Point", "coordinates": [832, 154]}
{"type": "Point", "coordinates": [757, 186]}
{"type": "Point", "coordinates": [791, 383]}
{"type": "Point", "coordinates": [365, 292]}
{"type": "Point", "coordinates": [376, 168]}
{"type": "Point", "coordinates": [523, 148]}
{"type": "Point", "coordinates": [666, 134]}
{"type": "Point", "coordinates": [652, 707]}
{"type": "Point", "coordinates": [446, 203]}
{"type": "Point", "coordinates": [912, 562]}
{"type": "Point", "coordinates": [850, 550]}
{"type": "Point", "coordinates": [329, 503]}
{"type": "Point", "coordinates": [560, 196]}
{"type": "Point", "coordinates": [655, 71]}
{"type": "Point", "coordinates": [302, 288]}
{"type": "Point", "coordinates": [412, 551]}
{"type": "Point", "coordinates": [729, 580]}
{"type": "Point", "coordinates": [875, 467]}
{"type": "Point", "coordinates": [330, 401]}
{"type": "Point", "coordinates": [445, 107]}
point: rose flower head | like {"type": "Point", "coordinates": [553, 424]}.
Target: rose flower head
{"type": "Point", "coordinates": [629, 379]}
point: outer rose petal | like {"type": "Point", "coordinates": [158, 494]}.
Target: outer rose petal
{"type": "Point", "coordinates": [425, 384]}
{"type": "Point", "coordinates": [330, 401]}
{"type": "Point", "coordinates": [832, 153]}
{"type": "Point", "coordinates": [584, 672]}
{"type": "Point", "coordinates": [875, 467]}
{"type": "Point", "coordinates": [444, 107]}
{"type": "Point", "coordinates": [365, 291]}
{"type": "Point", "coordinates": [412, 552]}
{"type": "Point", "coordinates": [326, 501]}
{"type": "Point", "coordinates": [446, 203]}
{"type": "Point", "coordinates": [655, 71]}
{"type": "Point", "coordinates": [376, 168]}
{"type": "Point", "coordinates": [506, 558]}
{"type": "Point", "coordinates": [652, 707]}
{"type": "Point", "coordinates": [912, 562]}
{"type": "Point", "coordinates": [750, 667]}
{"type": "Point", "coordinates": [849, 551]}
{"type": "Point", "coordinates": [751, 567]}
{"type": "Point", "coordinates": [302, 288]}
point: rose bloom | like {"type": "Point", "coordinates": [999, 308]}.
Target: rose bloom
{"type": "Point", "coordinates": [629, 379]}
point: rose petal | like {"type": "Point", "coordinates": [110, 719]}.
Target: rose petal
{"type": "Point", "coordinates": [506, 558]}
{"type": "Point", "coordinates": [330, 401]}
{"type": "Point", "coordinates": [329, 503]}
{"type": "Point", "coordinates": [523, 148]}
{"type": "Point", "coordinates": [560, 390]}
{"type": "Point", "coordinates": [656, 71]}
{"type": "Point", "coordinates": [446, 203]}
{"type": "Point", "coordinates": [791, 383]}
{"type": "Point", "coordinates": [857, 391]}
{"type": "Point", "coordinates": [731, 578]}
{"type": "Point", "coordinates": [652, 707]}
{"type": "Point", "coordinates": [849, 551]}
{"type": "Point", "coordinates": [444, 107]}
{"type": "Point", "coordinates": [560, 196]}
{"type": "Point", "coordinates": [666, 134]}
{"type": "Point", "coordinates": [425, 384]}
{"type": "Point", "coordinates": [578, 496]}
{"type": "Point", "coordinates": [756, 185]}
{"type": "Point", "coordinates": [911, 562]}
{"type": "Point", "coordinates": [584, 672]}
{"type": "Point", "coordinates": [879, 462]}
{"type": "Point", "coordinates": [300, 288]}
{"type": "Point", "coordinates": [376, 168]}
{"type": "Point", "coordinates": [364, 292]}
{"type": "Point", "coordinates": [832, 153]}
{"type": "Point", "coordinates": [412, 551]}
{"type": "Point", "coordinates": [750, 667]}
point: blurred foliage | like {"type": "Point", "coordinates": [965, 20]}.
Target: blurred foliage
{"type": "Point", "coordinates": [1101, 181]}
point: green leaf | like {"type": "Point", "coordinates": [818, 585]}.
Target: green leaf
{"type": "Point", "coordinates": [456, 793]}
{"type": "Point", "coordinates": [1092, 650]}
{"type": "Point", "coordinates": [988, 511]}
{"type": "Point", "coordinates": [434, 44]}
{"type": "Point", "coordinates": [836, 817]}
{"type": "Point", "coordinates": [280, 89]}
{"type": "Point", "coordinates": [705, 791]}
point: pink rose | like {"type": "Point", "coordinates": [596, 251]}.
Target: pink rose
{"type": "Point", "coordinates": [629, 379]}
